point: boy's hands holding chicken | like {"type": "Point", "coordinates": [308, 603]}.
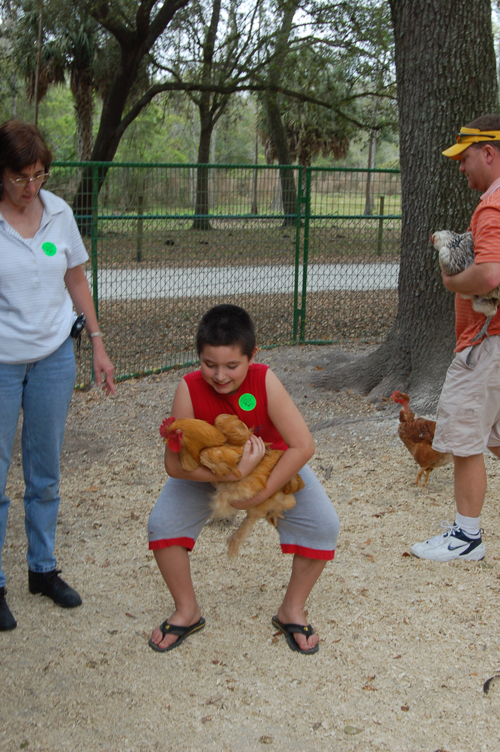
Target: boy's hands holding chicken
{"type": "Point", "coordinates": [253, 452]}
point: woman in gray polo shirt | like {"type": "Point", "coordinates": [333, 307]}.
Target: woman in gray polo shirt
{"type": "Point", "coordinates": [41, 279]}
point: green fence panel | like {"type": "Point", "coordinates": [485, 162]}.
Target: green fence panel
{"type": "Point", "coordinates": [352, 233]}
{"type": "Point", "coordinates": [296, 247]}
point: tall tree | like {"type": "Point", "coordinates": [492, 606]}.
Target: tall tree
{"type": "Point", "coordinates": [446, 76]}
{"type": "Point", "coordinates": [271, 101]}
{"type": "Point", "coordinates": [339, 56]}
{"type": "Point", "coordinates": [311, 129]}
{"type": "Point", "coordinates": [70, 48]}
{"type": "Point", "coordinates": [212, 49]}
{"type": "Point", "coordinates": [135, 33]}
{"type": "Point", "coordinates": [210, 108]}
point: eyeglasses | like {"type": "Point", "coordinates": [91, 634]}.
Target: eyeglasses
{"type": "Point", "coordinates": [37, 180]}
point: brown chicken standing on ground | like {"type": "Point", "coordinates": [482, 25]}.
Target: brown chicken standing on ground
{"type": "Point", "coordinates": [417, 435]}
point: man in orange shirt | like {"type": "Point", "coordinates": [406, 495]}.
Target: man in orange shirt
{"type": "Point", "coordinates": [468, 418]}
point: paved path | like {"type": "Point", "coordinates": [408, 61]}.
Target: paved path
{"type": "Point", "coordinates": [137, 284]}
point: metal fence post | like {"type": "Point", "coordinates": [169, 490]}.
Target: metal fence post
{"type": "Point", "coordinates": [140, 210]}
{"type": "Point", "coordinates": [94, 235]}
{"type": "Point", "coordinates": [380, 225]}
{"type": "Point", "coordinates": [297, 312]}
{"type": "Point", "coordinates": [306, 201]}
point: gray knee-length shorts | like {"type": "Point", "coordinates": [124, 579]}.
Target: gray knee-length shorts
{"type": "Point", "coordinates": [310, 529]}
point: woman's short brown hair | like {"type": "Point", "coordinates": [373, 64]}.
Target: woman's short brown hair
{"type": "Point", "coordinates": [21, 145]}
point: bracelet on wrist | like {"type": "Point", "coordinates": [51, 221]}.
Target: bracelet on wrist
{"type": "Point", "coordinates": [95, 334]}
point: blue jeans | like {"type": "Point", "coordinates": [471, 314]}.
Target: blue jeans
{"type": "Point", "coordinates": [43, 390]}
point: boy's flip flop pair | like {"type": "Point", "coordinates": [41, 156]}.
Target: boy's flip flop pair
{"type": "Point", "coordinates": [180, 632]}
{"type": "Point", "coordinates": [290, 629]}
{"type": "Point", "coordinates": [183, 632]}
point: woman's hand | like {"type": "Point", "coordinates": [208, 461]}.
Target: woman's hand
{"type": "Point", "coordinates": [103, 366]}
{"type": "Point", "coordinates": [253, 452]}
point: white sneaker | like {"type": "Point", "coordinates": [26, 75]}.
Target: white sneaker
{"type": "Point", "coordinates": [452, 544]}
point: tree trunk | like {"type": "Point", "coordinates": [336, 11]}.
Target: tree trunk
{"type": "Point", "coordinates": [280, 141]}
{"type": "Point", "coordinates": [446, 77]}
{"type": "Point", "coordinates": [134, 47]}
{"type": "Point", "coordinates": [210, 112]}
{"type": "Point", "coordinates": [107, 140]}
{"type": "Point", "coordinates": [271, 103]}
{"type": "Point", "coordinates": [82, 90]}
{"type": "Point", "coordinates": [372, 146]}
{"type": "Point", "coordinates": [201, 220]}
{"type": "Point", "coordinates": [207, 109]}
{"type": "Point", "coordinates": [255, 207]}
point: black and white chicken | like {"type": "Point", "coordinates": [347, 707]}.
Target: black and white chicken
{"type": "Point", "coordinates": [456, 253]}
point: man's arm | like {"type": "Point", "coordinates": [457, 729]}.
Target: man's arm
{"type": "Point", "coordinates": [477, 279]}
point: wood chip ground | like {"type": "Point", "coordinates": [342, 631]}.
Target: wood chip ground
{"type": "Point", "coordinates": [406, 645]}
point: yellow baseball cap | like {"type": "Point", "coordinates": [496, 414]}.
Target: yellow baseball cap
{"type": "Point", "coordinates": [468, 136]}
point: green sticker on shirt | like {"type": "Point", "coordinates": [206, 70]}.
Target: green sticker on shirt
{"type": "Point", "coordinates": [49, 249]}
{"type": "Point", "coordinates": [247, 402]}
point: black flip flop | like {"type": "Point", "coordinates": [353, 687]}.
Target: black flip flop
{"type": "Point", "coordinates": [181, 632]}
{"type": "Point", "coordinates": [290, 629]}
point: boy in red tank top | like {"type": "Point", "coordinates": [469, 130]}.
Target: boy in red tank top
{"type": "Point", "coordinates": [230, 382]}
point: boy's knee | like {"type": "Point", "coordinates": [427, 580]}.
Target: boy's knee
{"type": "Point", "coordinates": [331, 527]}
{"type": "Point", "coordinates": [327, 531]}
{"type": "Point", "coordinates": [334, 529]}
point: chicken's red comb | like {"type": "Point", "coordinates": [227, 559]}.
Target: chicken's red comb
{"type": "Point", "coordinates": [165, 426]}
{"type": "Point", "coordinates": [397, 396]}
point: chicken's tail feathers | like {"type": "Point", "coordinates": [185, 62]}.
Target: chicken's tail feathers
{"type": "Point", "coordinates": [240, 535]}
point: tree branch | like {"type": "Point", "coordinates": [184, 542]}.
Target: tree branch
{"type": "Point", "coordinates": [228, 89]}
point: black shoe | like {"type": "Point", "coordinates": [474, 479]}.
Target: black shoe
{"type": "Point", "coordinates": [7, 621]}
{"type": "Point", "coordinates": [50, 584]}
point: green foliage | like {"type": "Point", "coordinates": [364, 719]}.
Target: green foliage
{"type": "Point", "coordinates": [235, 134]}
{"type": "Point", "coordinates": [339, 53]}
{"type": "Point", "coordinates": [159, 134]}
{"type": "Point", "coordinates": [56, 120]}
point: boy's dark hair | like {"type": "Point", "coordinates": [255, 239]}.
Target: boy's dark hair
{"type": "Point", "coordinates": [226, 325]}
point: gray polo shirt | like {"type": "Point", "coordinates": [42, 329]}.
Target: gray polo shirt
{"type": "Point", "coordinates": [36, 311]}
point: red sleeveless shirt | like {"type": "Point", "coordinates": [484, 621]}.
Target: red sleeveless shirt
{"type": "Point", "coordinates": [249, 403]}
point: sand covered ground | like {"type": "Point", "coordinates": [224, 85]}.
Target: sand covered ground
{"type": "Point", "coordinates": [406, 645]}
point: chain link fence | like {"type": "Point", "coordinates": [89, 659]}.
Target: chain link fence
{"type": "Point", "coordinates": [312, 253]}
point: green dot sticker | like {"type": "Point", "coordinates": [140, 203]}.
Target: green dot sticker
{"type": "Point", "coordinates": [49, 249]}
{"type": "Point", "coordinates": [247, 402]}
